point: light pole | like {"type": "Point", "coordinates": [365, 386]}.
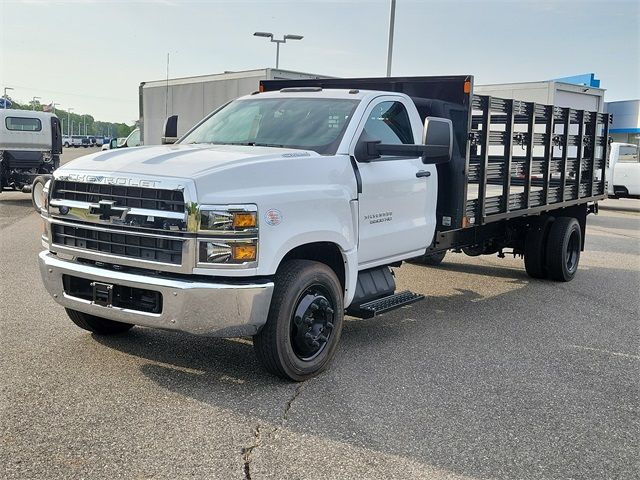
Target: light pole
{"type": "Point", "coordinates": [5, 95]}
{"type": "Point", "coordinates": [392, 22]}
{"type": "Point", "coordinates": [69, 122]}
{"type": "Point", "coordinates": [278, 42]}
{"type": "Point", "coordinates": [33, 102]}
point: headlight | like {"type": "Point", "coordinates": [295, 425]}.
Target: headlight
{"type": "Point", "coordinates": [235, 253]}
{"type": "Point", "coordinates": [227, 235]}
{"type": "Point", "coordinates": [45, 195]}
{"type": "Point", "coordinates": [46, 157]}
{"type": "Point", "coordinates": [228, 219]}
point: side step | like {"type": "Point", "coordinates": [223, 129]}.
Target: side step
{"type": "Point", "coordinates": [384, 304]}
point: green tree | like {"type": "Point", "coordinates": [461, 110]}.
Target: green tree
{"type": "Point", "coordinates": [94, 127]}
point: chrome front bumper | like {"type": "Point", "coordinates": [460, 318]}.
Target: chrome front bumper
{"type": "Point", "coordinates": [217, 309]}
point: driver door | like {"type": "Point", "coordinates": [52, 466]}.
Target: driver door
{"type": "Point", "coordinates": [394, 218]}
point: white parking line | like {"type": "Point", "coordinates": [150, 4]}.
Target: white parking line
{"type": "Point", "coordinates": [608, 352]}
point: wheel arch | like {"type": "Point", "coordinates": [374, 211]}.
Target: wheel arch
{"type": "Point", "coordinates": [328, 253]}
{"type": "Point", "coordinates": [341, 261]}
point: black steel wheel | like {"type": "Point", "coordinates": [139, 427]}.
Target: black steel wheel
{"type": "Point", "coordinates": [535, 247]}
{"type": "Point", "coordinates": [563, 249]}
{"type": "Point", "coordinates": [97, 325]}
{"type": "Point", "coordinates": [305, 320]}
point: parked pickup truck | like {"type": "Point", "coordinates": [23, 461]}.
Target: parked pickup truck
{"type": "Point", "coordinates": [285, 209]}
{"type": "Point", "coordinates": [623, 175]}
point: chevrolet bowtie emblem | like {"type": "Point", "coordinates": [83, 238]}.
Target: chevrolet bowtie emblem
{"type": "Point", "coordinates": [107, 210]}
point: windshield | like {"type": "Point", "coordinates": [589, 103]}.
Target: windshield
{"type": "Point", "coordinates": [305, 123]}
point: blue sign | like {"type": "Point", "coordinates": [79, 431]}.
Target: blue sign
{"type": "Point", "coordinates": [5, 103]}
{"type": "Point", "coordinates": [586, 79]}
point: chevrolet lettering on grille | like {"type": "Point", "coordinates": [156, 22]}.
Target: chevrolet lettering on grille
{"type": "Point", "coordinates": [107, 210]}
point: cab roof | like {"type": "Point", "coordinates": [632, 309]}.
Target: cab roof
{"type": "Point", "coordinates": [317, 92]}
{"type": "Point", "coordinates": [12, 112]}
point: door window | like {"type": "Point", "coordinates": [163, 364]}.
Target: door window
{"type": "Point", "coordinates": [389, 123]}
{"type": "Point", "coordinates": [628, 154]}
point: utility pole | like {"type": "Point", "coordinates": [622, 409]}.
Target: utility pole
{"type": "Point", "coordinates": [69, 122]}
{"type": "Point", "coordinates": [392, 21]}
{"type": "Point", "coordinates": [33, 102]}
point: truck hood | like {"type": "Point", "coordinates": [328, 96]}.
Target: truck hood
{"type": "Point", "coordinates": [183, 161]}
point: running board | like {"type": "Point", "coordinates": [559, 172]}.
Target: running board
{"type": "Point", "coordinates": [384, 304]}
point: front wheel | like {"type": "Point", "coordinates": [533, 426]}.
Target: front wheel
{"type": "Point", "coordinates": [97, 325]}
{"type": "Point", "coordinates": [305, 321]}
{"type": "Point", "coordinates": [564, 244]}
{"type": "Point", "coordinates": [37, 192]}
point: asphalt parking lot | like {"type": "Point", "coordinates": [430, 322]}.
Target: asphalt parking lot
{"type": "Point", "coordinates": [494, 375]}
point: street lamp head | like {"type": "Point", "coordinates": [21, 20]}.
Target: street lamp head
{"type": "Point", "coordinates": [293, 37]}
{"type": "Point", "coordinates": [263, 34]}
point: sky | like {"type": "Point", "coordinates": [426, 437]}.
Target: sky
{"type": "Point", "coordinates": [92, 55]}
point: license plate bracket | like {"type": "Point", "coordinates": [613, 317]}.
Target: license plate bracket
{"type": "Point", "coordinates": [102, 294]}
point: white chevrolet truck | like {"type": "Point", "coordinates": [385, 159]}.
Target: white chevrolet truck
{"type": "Point", "coordinates": [286, 209]}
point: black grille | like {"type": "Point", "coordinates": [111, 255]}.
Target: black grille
{"type": "Point", "coordinates": [132, 197]}
{"type": "Point", "coordinates": [119, 243]}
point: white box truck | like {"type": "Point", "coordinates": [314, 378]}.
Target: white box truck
{"type": "Point", "coordinates": [191, 98]}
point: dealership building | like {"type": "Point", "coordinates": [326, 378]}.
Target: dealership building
{"type": "Point", "coordinates": [625, 125]}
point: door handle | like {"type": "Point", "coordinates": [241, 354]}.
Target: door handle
{"type": "Point", "coordinates": [423, 173]}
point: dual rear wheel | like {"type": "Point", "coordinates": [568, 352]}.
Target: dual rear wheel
{"type": "Point", "coordinates": [552, 248]}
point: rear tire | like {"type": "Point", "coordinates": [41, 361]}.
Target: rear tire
{"type": "Point", "coordinates": [535, 246]}
{"type": "Point", "coordinates": [305, 320]}
{"type": "Point", "coordinates": [563, 249]}
{"type": "Point", "coordinates": [431, 259]}
{"type": "Point", "coordinates": [97, 325]}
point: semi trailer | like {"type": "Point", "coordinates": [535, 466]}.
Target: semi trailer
{"type": "Point", "coordinates": [287, 209]}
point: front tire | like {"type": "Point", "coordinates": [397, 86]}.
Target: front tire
{"type": "Point", "coordinates": [97, 325]}
{"type": "Point", "coordinates": [563, 249]}
{"type": "Point", "coordinates": [37, 195]}
{"type": "Point", "coordinates": [305, 321]}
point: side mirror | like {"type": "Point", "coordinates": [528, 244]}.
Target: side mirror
{"type": "Point", "coordinates": [170, 130]}
{"type": "Point", "coordinates": [56, 136]}
{"type": "Point", "coordinates": [368, 149]}
{"type": "Point", "coordinates": [365, 148]}
{"type": "Point", "coordinates": [113, 143]}
{"type": "Point", "coordinates": [437, 137]}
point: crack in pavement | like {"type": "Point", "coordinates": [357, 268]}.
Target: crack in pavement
{"type": "Point", "coordinates": [246, 452]}
{"type": "Point", "coordinates": [258, 435]}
